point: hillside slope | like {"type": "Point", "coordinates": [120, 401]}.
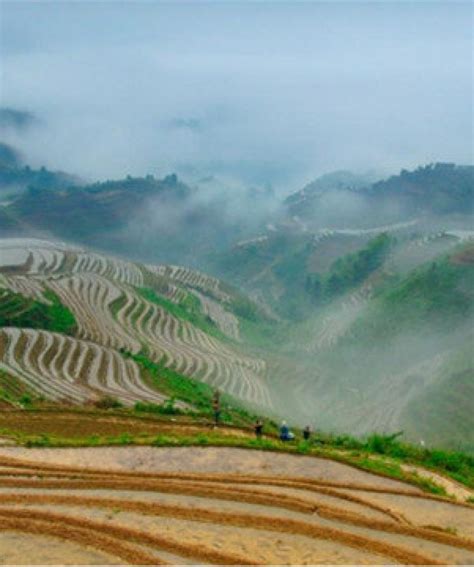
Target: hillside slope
{"type": "Point", "coordinates": [434, 189]}
{"type": "Point", "coordinates": [393, 353]}
{"type": "Point", "coordinates": [120, 311]}
{"type": "Point", "coordinates": [366, 342]}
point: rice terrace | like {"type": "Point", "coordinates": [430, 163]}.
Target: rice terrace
{"type": "Point", "coordinates": [236, 283]}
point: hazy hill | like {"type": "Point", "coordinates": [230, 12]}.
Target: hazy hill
{"type": "Point", "coordinates": [83, 212]}
{"type": "Point", "coordinates": [167, 220]}
{"type": "Point", "coordinates": [16, 176]}
{"type": "Point", "coordinates": [15, 119]}
{"type": "Point", "coordinates": [144, 217]}
{"type": "Point", "coordinates": [335, 181]}
{"type": "Point", "coordinates": [435, 189]}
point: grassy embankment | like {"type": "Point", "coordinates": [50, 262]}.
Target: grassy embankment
{"type": "Point", "coordinates": [187, 310]}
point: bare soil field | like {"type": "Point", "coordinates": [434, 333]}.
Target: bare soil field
{"type": "Point", "coordinates": [208, 505]}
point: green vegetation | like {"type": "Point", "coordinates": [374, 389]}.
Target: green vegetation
{"type": "Point", "coordinates": [108, 402]}
{"type": "Point", "coordinates": [457, 465]}
{"type": "Point", "coordinates": [275, 266]}
{"type": "Point", "coordinates": [193, 392]}
{"type": "Point", "coordinates": [13, 392]}
{"type": "Point", "coordinates": [17, 310]}
{"type": "Point", "coordinates": [438, 296]}
{"type": "Point", "coordinates": [167, 408]}
{"type": "Point", "coordinates": [450, 395]}
{"type": "Point", "coordinates": [440, 188]}
{"type": "Point", "coordinates": [245, 309]}
{"type": "Point", "coordinates": [349, 271]}
{"type": "Point", "coordinates": [187, 310]}
{"type": "Point", "coordinates": [263, 334]}
{"type": "Point", "coordinates": [173, 384]}
{"type": "Point", "coordinates": [365, 459]}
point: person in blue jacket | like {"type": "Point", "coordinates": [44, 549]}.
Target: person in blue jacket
{"type": "Point", "coordinates": [285, 433]}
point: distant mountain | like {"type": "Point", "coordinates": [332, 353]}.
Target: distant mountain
{"type": "Point", "coordinates": [86, 211]}
{"type": "Point", "coordinates": [16, 176]}
{"type": "Point", "coordinates": [435, 189]}
{"type": "Point", "coordinates": [15, 119]}
{"type": "Point", "coordinates": [221, 228]}
{"type": "Point", "coordinates": [147, 218]}
{"type": "Point", "coordinates": [9, 157]}
{"type": "Point", "coordinates": [439, 188]}
{"type": "Point", "coordinates": [336, 180]}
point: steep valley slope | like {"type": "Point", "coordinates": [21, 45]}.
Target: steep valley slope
{"type": "Point", "coordinates": [385, 343]}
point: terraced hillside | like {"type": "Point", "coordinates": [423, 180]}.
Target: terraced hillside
{"type": "Point", "coordinates": [172, 316]}
{"type": "Point", "coordinates": [144, 506]}
{"type": "Point", "coordinates": [394, 352]}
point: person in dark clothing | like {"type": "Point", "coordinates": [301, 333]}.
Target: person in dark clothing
{"type": "Point", "coordinates": [307, 433]}
{"type": "Point", "coordinates": [216, 407]}
{"type": "Point", "coordinates": [258, 427]}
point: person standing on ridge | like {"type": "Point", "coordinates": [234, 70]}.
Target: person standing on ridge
{"type": "Point", "coordinates": [258, 428]}
{"type": "Point", "coordinates": [216, 407]}
{"type": "Point", "coordinates": [307, 433]}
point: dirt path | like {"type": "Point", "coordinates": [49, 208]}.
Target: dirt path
{"type": "Point", "coordinates": [452, 488]}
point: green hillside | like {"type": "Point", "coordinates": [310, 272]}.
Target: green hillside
{"type": "Point", "coordinates": [437, 296]}
{"type": "Point", "coordinates": [442, 414]}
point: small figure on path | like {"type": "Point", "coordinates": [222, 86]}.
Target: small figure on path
{"type": "Point", "coordinates": [307, 433]}
{"type": "Point", "coordinates": [258, 428]}
{"type": "Point", "coordinates": [216, 407]}
{"type": "Point", "coordinates": [285, 433]}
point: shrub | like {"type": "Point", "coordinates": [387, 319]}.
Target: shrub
{"type": "Point", "coordinates": [43, 441]}
{"type": "Point", "coordinates": [108, 402]}
{"type": "Point", "coordinates": [26, 400]}
{"type": "Point", "coordinates": [384, 444]}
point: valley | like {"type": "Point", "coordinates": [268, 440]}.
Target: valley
{"type": "Point", "coordinates": [111, 450]}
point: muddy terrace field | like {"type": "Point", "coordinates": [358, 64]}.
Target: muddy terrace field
{"type": "Point", "coordinates": [82, 425]}
{"type": "Point", "coordinates": [141, 505]}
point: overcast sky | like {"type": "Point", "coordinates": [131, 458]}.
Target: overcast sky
{"type": "Point", "coordinates": [278, 92]}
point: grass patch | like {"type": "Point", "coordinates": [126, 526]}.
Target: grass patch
{"type": "Point", "coordinates": [459, 466]}
{"type": "Point", "coordinates": [173, 384]}
{"type": "Point", "coordinates": [193, 392]}
{"type": "Point", "coordinates": [167, 408]}
{"type": "Point", "coordinates": [216, 438]}
{"type": "Point", "coordinates": [187, 310]}
{"type": "Point", "coordinates": [17, 310]}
